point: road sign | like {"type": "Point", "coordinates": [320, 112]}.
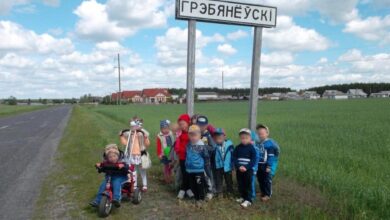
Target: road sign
{"type": "Point", "coordinates": [226, 12]}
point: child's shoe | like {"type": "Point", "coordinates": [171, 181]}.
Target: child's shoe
{"type": "Point", "coordinates": [190, 194]}
{"type": "Point", "coordinates": [209, 196]}
{"type": "Point", "coordinates": [144, 189]}
{"type": "Point", "coordinates": [116, 203]}
{"type": "Point", "coordinates": [181, 194]}
{"type": "Point", "coordinates": [246, 204]}
{"type": "Point", "coordinates": [240, 200]}
{"type": "Point", "coordinates": [94, 204]}
{"type": "Point", "coordinates": [265, 198]}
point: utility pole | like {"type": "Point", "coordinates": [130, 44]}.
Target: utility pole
{"type": "Point", "coordinates": [119, 96]}
{"type": "Point", "coordinates": [222, 79]}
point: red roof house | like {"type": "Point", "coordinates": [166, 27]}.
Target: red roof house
{"type": "Point", "coordinates": [157, 95]}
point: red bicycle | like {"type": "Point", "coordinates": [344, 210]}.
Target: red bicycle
{"type": "Point", "coordinates": [128, 191]}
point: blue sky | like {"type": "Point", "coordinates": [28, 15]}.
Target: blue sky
{"type": "Point", "coordinates": [57, 48]}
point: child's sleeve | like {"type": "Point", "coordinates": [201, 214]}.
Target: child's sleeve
{"type": "Point", "coordinates": [159, 147]}
{"type": "Point", "coordinates": [253, 159]}
{"type": "Point", "coordinates": [272, 149]}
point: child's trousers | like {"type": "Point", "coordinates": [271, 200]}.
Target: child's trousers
{"type": "Point", "coordinates": [116, 182]}
{"type": "Point", "coordinates": [265, 182]}
{"type": "Point", "coordinates": [244, 181]}
{"type": "Point", "coordinates": [185, 183]}
{"type": "Point", "coordinates": [197, 183]}
{"type": "Point", "coordinates": [138, 169]}
{"type": "Point", "coordinates": [219, 176]}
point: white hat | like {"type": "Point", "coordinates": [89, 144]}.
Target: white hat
{"type": "Point", "coordinates": [245, 131]}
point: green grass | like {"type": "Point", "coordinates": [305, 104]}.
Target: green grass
{"type": "Point", "coordinates": [7, 110]}
{"type": "Point", "coordinates": [334, 161]}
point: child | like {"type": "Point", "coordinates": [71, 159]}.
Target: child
{"type": "Point", "coordinates": [175, 163]}
{"type": "Point", "coordinates": [223, 162]}
{"type": "Point", "coordinates": [268, 162]}
{"type": "Point", "coordinates": [180, 149]}
{"type": "Point", "coordinates": [196, 156]}
{"type": "Point", "coordinates": [165, 140]}
{"type": "Point", "coordinates": [203, 123]}
{"type": "Point", "coordinates": [136, 140]}
{"type": "Point", "coordinates": [118, 172]}
{"type": "Point", "coordinates": [244, 157]}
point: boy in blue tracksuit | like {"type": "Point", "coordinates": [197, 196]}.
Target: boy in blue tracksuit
{"type": "Point", "coordinates": [244, 157]}
{"type": "Point", "coordinates": [222, 168]}
{"type": "Point", "coordinates": [255, 139]}
{"type": "Point", "coordinates": [196, 156]}
{"type": "Point", "coordinates": [268, 162]}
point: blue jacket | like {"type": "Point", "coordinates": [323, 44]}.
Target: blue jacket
{"type": "Point", "coordinates": [196, 155]}
{"type": "Point", "coordinates": [271, 155]}
{"type": "Point", "coordinates": [223, 159]}
{"type": "Point", "coordinates": [244, 155]}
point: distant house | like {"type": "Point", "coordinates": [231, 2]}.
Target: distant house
{"type": "Point", "coordinates": [292, 96]}
{"type": "Point", "coordinates": [155, 95]}
{"type": "Point", "coordinates": [382, 94]}
{"type": "Point", "coordinates": [334, 94]}
{"type": "Point", "coordinates": [311, 95]}
{"type": "Point", "coordinates": [356, 94]}
{"type": "Point", "coordinates": [132, 96]}
{"type": "Point", "coordinates": [276, 96]}
{"type": "Point", "coordinates": [225, 97]}
{"type": "Point", "coordinates": [203, 96]}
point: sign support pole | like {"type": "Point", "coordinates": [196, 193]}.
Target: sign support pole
{"type": "Point", "coordinates": [255, 76]}
{"type": "Point", "coordinates": [191, 66]}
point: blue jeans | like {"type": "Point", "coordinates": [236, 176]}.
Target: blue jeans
{"type": "Point", "coordinates": [116, 182]}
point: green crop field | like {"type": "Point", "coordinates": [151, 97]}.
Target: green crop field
{"type": "Point", "coordinates": [7, 110]}
{"type": "Point", "coordinates": [334, 163]}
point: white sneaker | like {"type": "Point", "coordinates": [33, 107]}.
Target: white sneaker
{"type": "Point", "coordinates": [181, 194]}
{"type": "Point", "coordinates": [209, 196]}
{"type": "Point", "coordinates": [240, 200]}
{"type": "Point", "coordinates": [190, 194]}
{"type": "Point", "coordinates": [246, 204]}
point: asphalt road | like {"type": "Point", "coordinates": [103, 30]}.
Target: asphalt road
{"type": "Point", "coordinates": [27, 145]}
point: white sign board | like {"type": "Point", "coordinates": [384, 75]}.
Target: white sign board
{"type": "Point", "coordinates": [226, 12]}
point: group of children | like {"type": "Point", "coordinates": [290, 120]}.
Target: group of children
{"type": "Point", "coordinates": [201, 157]}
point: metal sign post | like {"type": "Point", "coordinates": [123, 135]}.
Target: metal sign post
{"type": "Point", "coordinates": [255, 76]}
{"type": "Point", "coordinates": [191, 66]}
{"type": "Point", "coordinates": [226, 12]}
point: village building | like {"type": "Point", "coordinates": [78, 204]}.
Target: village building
{"type": "Point", "coordinates": [334, 94]}
{"type": "Point", "coordinates": [151, 96]}
{"type": "Point", "coordinates": [204, 96]}
{"type": "Point", "coordinates": [292, 96]}
{"type": "Point", "coordinates": [276, 96]}
{"type": "Point", "coordinates": [382, 94]}
{"type": "Point", "coordinates": [311, 95]}
{"type": "Point", "coordinates": [356, 94]}
{"type": "Point", "coordinates": [132, 96]}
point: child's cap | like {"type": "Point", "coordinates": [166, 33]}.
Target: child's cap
{"type": "Point", "coordinates": [202, 120]}
{"type": "Point", "coordinates": [245, 131]}
{"type": "Point", "coordinates": [219, 131]}
{"type": "Point", "coordinates": [111, 148]}
{"type": "Point", "coordinates": [193, 129]}
{"type": "Point", "coordinates": [135, 124]}
{"type": "Point", "coordinates": [165, 123]}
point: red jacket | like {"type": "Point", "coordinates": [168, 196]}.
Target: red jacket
{"type": "Point", "coordinates": [183, 139]}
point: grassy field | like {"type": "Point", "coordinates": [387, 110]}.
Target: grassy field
{"type": "Point", "coordinates": [7, 110]}
{"type": "Point", "coordinates": [334, 164]}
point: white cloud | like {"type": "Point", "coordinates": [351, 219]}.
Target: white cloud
{"type": "Point", "coordinates": [237, 35]}
{"type": "Point", "coordinates": [12, 60]}
{"type": "Point", "coordinates": [277, 58]}
{"type": "Point", "coordinates": [372, 28]}
{"type": "Point", "coordinates": [7, 5]}
{"type": "Point", "coordinates": [291, 37]}
{"type": "Point", "coordinates": [351, 55]}
{"type": "Point", "coordinates": [226, 49]}
{"type": "Point", "coordinates": [117, 19]}
{"type": "Point", "coordinates": [172, 47]}
{"type": "Point", "coordinates": [14, 37]}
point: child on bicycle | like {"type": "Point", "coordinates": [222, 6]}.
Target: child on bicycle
{"type": "Point", "coordinates": [117, 169]}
